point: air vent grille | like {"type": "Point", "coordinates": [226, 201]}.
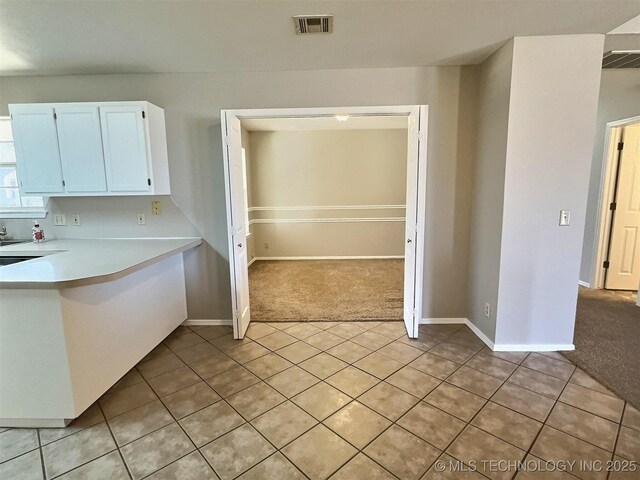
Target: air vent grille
{"type": "Point", "coordinates": [308, 24]}
{"type": "Point", "coordinates": [621, 59]}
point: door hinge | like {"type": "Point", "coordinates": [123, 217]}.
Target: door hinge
{"type": "Point", "coordinates": [613, 206]}
{"type": "Point", "coordinates": [149, 181]}
{"type": "Point", "coordinates": [620, 145]}
{"type": "Point", "coordinates": [143, 114]}
{"type": "Point", "coordinates": [605, 264]}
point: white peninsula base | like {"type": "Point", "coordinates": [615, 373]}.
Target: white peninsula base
{"type": "Point", "coordinates": [62, 348]}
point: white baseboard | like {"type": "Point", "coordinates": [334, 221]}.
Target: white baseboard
{"type": "Point", "coordinates": [251, 262]}
{"type": "Point", "coordinates": [474, 328]}
{"type": "Point", "coordinates": [345, 257]}
{"type": "Point", "coordinates": [203, 322]}
{"type": "Point", "coordinates": [584, 284]}
{"type": "Point", "coordinates": [435, 321]}
{"type": "Point", "coordinates": [549, 347]}
{"type": "Point", "coordinates": [543, 347]}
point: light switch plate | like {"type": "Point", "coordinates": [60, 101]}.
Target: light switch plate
{"type": "Point", "coordinates": [155, 207]}
{"type": "Point", "coordinates": [59, 219]}
{"type": "Point", "coordinates": [565, 218]}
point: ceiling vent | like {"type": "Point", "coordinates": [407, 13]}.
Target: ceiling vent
{"type": "Point", "coordinates": [307, 24]}
{"type": "Point", "coordinates": [621, 59]}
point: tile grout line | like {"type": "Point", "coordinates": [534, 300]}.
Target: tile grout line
{"type": "Point", "coordinates": [222, 399]}
{"type": "Point", "coordinates": [469, 423]}
{"type": "Point", "coordinates": [179, 426]}
{"type": "Point", "coordinates": [615, 444]}
{"type": "Point", "coordinates": [41, 452]}
{"type": "Point", "coordinates": [544, 423]}
{"type": "Point", "coordinates": [323, 380]}
{"type": "Point", "coordinates": [115, 442]}
{"type": "Point", "coordinates": [443, 451]}
{"type": "Point", "coordinates": [393, 422]}
{"type": "Point", "coordinates": [320, 422]}
{"type": "Point", "coordinates": [460, 365]}
{"type": "Point", "coordinates": [246, 422]}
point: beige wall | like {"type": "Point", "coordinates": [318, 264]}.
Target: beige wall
{"type": "Point", "coordinates": [551, 123]}
{"type": "Point", "coordinates": [311, 169]}
{"type": "Point", "coordinates": [493, 93]}
{"type": "Point", "coordinates": [542, 169]}
{"type": "Point", "coordinates": [192, 103]}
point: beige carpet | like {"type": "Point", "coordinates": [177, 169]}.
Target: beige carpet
{"type": "Point", "coordinates": [607, 340]}
{"type": "Point", "coordinates": [305, 290]}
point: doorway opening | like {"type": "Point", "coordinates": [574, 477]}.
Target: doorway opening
{"type": "Point", "coordinates": [325, 211]}
{"type": "Point", "coordinates": [617, 262]}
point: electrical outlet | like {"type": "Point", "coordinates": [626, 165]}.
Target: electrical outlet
{"type": "Point", "coordinates": [266, 246]}
{"type": "Point", "coordinates": [141, 220]}
{"type": "Point", "coordinates": [565, 218]}
{"type": "Point", "coordinates": [487, 309]}
{"type": "Point", "coordinates": [59, 219]}
{"type": "Point", "coordinates": [76, 220]}
{"type": "Point", "coordinates": [155, 208]}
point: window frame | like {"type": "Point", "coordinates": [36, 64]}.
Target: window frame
{"type": "Point", "coordinates": [21, 211]}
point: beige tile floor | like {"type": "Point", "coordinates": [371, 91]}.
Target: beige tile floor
{"type": "Point", "coordinates": [340, 400]}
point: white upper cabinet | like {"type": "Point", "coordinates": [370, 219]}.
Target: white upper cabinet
{"type": "Point", "coordinates": [88, 149]}
{"type": "Point", "coordinates": [80, 141]}
{"type": "Point", "coordinates": [125, 148]}
{"type": "Point", "coordinates": [36, 142]}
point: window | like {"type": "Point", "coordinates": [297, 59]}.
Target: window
{"type": "Point", "coordinates": [11, 202]}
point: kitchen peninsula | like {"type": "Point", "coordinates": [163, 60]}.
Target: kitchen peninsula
{"type": "Point", "coordinates": [75, 319]}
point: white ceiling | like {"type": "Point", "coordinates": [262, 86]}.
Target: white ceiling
{"type": "Point", "coordinates": [389, 122]}
{"type": "Point", "coordinates": [39, 37]}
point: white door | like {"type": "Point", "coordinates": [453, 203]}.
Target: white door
{"type": "Point", "coordinates": [414, 229]}
{"type": "Point", "coordinates": [624, 250]}
{"type": "Point", "coordinates": [37, 153]}
{"type": "Point", "coordinates": [238, 253]}
{"type": "Point", "coordinates": [81, 154]}
{"type": "Point", "coordinates": [125, 148]}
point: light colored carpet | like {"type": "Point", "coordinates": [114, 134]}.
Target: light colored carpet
{"type": "Point", "coordinates": [607, 340]}
{"type": "Point", "coordinates": [306, 290]}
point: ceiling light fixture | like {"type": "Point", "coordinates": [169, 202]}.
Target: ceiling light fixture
{"type": "Point", "coordinates": [342, 118]}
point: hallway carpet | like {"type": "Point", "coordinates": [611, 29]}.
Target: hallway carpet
{"type": "Point", "coordinates": [607, 340]}
{"type": "Point", "coordinates": [305, 290]}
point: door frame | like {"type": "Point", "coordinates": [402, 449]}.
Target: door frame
{"type": "Point", "coordinates": [613, 135]}
{"type": "Point", "coordinates": [420, 201]}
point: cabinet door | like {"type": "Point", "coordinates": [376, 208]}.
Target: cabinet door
{"type": "Point", "coordinates": [125, 148]}
{"type": "Point", "coordinates": [37, 154]}
{"type": "Point", "coordinates": [81, 154]}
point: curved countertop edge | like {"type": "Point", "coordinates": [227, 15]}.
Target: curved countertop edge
{"type": "Point", "coordinates": [92, 280]}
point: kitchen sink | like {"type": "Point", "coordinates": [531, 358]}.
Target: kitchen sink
{"type": "Point", "coordinates": [11, 260]}
{"type": "Point", "coordinates": [11, 242]}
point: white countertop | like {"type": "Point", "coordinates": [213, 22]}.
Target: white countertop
{"type": "Point", "coordinates": [71, 263]}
